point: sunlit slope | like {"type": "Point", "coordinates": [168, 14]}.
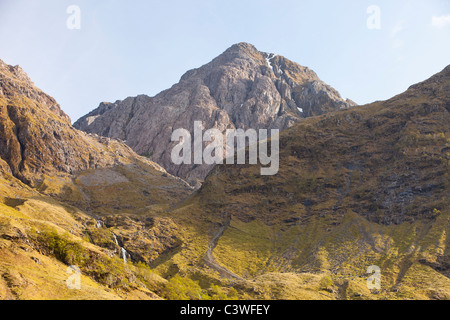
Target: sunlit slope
{"type": "Point", "coordinates": [56, 183]}
{"type": "Point", "coordinates": [360, 187]}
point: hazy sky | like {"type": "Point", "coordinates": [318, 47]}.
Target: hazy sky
{"type": "Point", "coordinates": [126, 48]}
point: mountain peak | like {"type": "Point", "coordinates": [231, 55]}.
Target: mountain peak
{"type": "Point", "coordinates": [246, 47]}
{"type": "Point", "coordinates": [243, 46]}
{"type": "Point", "coordinates": [239, 53]}
{"type": "Point", "coordinates": [242, 88]}
{"type": "Point", "coordinates": [14, 72]}
{"type": "Point", "coordinates": [14, 82]}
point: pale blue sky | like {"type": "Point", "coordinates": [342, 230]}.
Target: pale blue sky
{"type": "Point", "coordinates": [126, 48]}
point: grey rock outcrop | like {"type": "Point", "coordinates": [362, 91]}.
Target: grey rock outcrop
{"type": "Point", "coordinates": [241, 88]}
{"type": "Point", "coordinates": [14, 82]}
{"type": "Point", "coordinates": [37, 141]}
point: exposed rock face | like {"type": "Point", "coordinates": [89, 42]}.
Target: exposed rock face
{"type": "Point", "coordinates": [36, 136]}
{"type": "Point", "coordinates": [15, 82]}
{"type": "Point", "coordinates": [38, 141]}
{"type": "Point", "coordinates": [242, 88]}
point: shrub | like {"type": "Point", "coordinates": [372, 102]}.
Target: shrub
{"type": "Point", "coordinates": [146, 276]}
{"type": "Point", "coordinates": [179, 288]}
{"type": "Point", "coordinates": [66, 251]}
{"type": "Point", "coordinates": [326, 284]}
{"type": "Point", "coordinates": [219, 293]}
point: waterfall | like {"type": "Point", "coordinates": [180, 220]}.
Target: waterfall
{"type": "Point", "coordinates": [99, 224]}
{"type": "Point", "coordinates": [123, 252]}
{"type": "Point", "coordinates": [115, 239]}
{"type": "Point", "coordinates": [124, 255]}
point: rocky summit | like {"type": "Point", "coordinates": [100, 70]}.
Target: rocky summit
{"type": "Point", "coordinates": [241, 88]}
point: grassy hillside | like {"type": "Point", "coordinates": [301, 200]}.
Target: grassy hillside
{"type": "Point", "coordinates": [360, 187]}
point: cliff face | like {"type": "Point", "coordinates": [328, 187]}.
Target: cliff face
{"type": "Point", "coordinates": [14, 82]}
{"type": "Point", "coordinates": [36, 136]}
{"type": "Point", "coordinates": [242, 88]}
{"type": "Point", "coordinates": [37, 140]}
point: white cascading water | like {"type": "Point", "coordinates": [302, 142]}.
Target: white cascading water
{"type": "Point", "coordinates": [123, 252]}
{"type": "Point", "coordinates": [124, 255]}
{"type": "Point", "coordinates": [115, 239]}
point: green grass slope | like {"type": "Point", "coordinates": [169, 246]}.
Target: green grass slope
{"type": "Point", "coordinates": [360, 187]}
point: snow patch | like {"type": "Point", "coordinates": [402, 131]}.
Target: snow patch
{"type": "Point", "coordinates": [300, 109]}
{"type": "Point", "coordinates": [91, 119]}
{"type": "Point", "coordinates": [270, 57]}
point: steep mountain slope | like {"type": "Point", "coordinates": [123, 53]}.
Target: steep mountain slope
{"type": "Point", "coordinates": [56, 184]}
{"type": "Point", "coordinates": [37, 141]}
{"type": "Point", "coordinates": [242, 88]}
{"type": "Point", "coordinates": [356, 188]}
